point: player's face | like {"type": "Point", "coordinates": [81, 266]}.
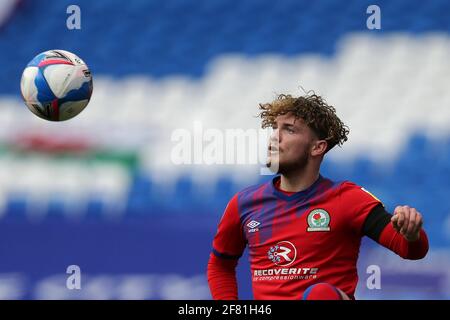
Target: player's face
{"type": "Point", "coordinates": [290, 144]}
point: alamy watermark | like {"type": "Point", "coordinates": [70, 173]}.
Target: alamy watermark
{"type": "Point", "coordinates": [374, 20]}
{"type": "Point", "coordinates": [73, 21]}
{"type": "Point", "coordinates": [374, 280]}
{"type": "Point", "coordinates": [73, 281]}
{"type": "Point", "coordinates": [212, 146]}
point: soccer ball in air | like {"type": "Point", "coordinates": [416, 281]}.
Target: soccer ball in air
{"type": "Point", "coordinates": [56, 85]}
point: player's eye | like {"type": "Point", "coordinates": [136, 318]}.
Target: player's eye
{"type": "Point", "coordinates": [290, 130]}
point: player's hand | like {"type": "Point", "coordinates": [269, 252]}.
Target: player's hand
{"type": "Point", "coordinates": [407, 221]}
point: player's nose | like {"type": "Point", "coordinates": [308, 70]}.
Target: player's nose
{"type": "Point", "coordinates": [275, 138]}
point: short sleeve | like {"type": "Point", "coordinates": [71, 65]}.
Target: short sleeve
{"type": "Point", "coordinates": [356, 202]}
{"type": "Point", "coordinates": [229, 241]}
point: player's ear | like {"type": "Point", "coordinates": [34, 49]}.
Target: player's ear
{"type": "Point", "coordinates": [319, 147]}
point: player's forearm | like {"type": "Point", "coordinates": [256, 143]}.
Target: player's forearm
{"type": "Point", "coordinates": [379, 227]}
{"type": "Point", "coordinates": [222, 278]}
{"type": "Point", "coordinates": [412, 250]}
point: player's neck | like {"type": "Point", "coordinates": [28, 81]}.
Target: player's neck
{"type": "Point", "coordinates": [298, 181]}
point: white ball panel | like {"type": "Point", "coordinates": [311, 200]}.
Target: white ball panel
{"type": "Point", "coordinates": [63, 78]}
{"type": "Point", "coordinates": [58, 77]}
{"type": "Point", "coordinates": [27, 86]}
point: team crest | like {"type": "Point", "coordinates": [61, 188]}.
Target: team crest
{"type": "Point", "coordinates": [318, 220]}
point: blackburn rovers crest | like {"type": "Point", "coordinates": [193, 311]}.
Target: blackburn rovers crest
{"type": "Point", "coordinates": [318, 220]}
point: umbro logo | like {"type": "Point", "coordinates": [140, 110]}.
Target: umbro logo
{"type": "Point", "coordinates": [252, 225]}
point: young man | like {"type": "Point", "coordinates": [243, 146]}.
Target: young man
{"type": "Point", "coordinates": [303, 231]}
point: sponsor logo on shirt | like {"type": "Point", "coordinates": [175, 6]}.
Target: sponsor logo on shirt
{"type": "Point", "coordinates": [318, 220]}
{"type": "Point", "coordinates": [282, 254]}
{"type": "Point", "coordinates": [285, 274]}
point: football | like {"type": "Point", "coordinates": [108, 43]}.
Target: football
{"type": "Point", "coordinates": [56, 85]}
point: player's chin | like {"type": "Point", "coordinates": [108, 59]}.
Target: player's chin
{"type": "Point", "coordinates": [278, 167]}
{"type": "Point", "coordinates": [273, 166]}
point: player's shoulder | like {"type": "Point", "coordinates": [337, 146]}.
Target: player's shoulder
{"type": "Point", "coordinates": [349, 188]}
{"type": "Point", "coordinates": [254, 188]}
{"type": "Point", "coordinates": [247, 195]}
{"type": "Point", "coordinates": [347, 185]}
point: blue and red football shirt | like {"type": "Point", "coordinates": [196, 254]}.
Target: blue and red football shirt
{"type": "Point", "coordinates": [296, 239]}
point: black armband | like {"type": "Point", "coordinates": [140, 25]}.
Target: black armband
{"type": "Point", "coordinates": [375, 222]}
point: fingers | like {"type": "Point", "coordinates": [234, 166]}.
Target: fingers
{"type": "Point", "coordinates": [411, 219]}
{"type": "Point", "coordinates": [419, 222]}
{"type": "Point", "coordinates": [399, 218]}
{"type": "Point", "coordinates": [403, 220]}
{"type": "Point", "coordinates": [407, 221]}
{"type": "Point", "coordinates": [394, 220]}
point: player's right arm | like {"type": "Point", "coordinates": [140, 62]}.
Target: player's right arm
{"type": "Point", "coordinates": [228, 246]}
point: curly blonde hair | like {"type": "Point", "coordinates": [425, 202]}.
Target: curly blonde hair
{"type": "Point", "coordinates": [313, 109]}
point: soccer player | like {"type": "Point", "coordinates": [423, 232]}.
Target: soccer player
{"type": "Point", "coordinates": [303, 230]}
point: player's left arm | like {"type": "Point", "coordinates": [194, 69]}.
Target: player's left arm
{"type": "Point", "coordinates": [401, 232]}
